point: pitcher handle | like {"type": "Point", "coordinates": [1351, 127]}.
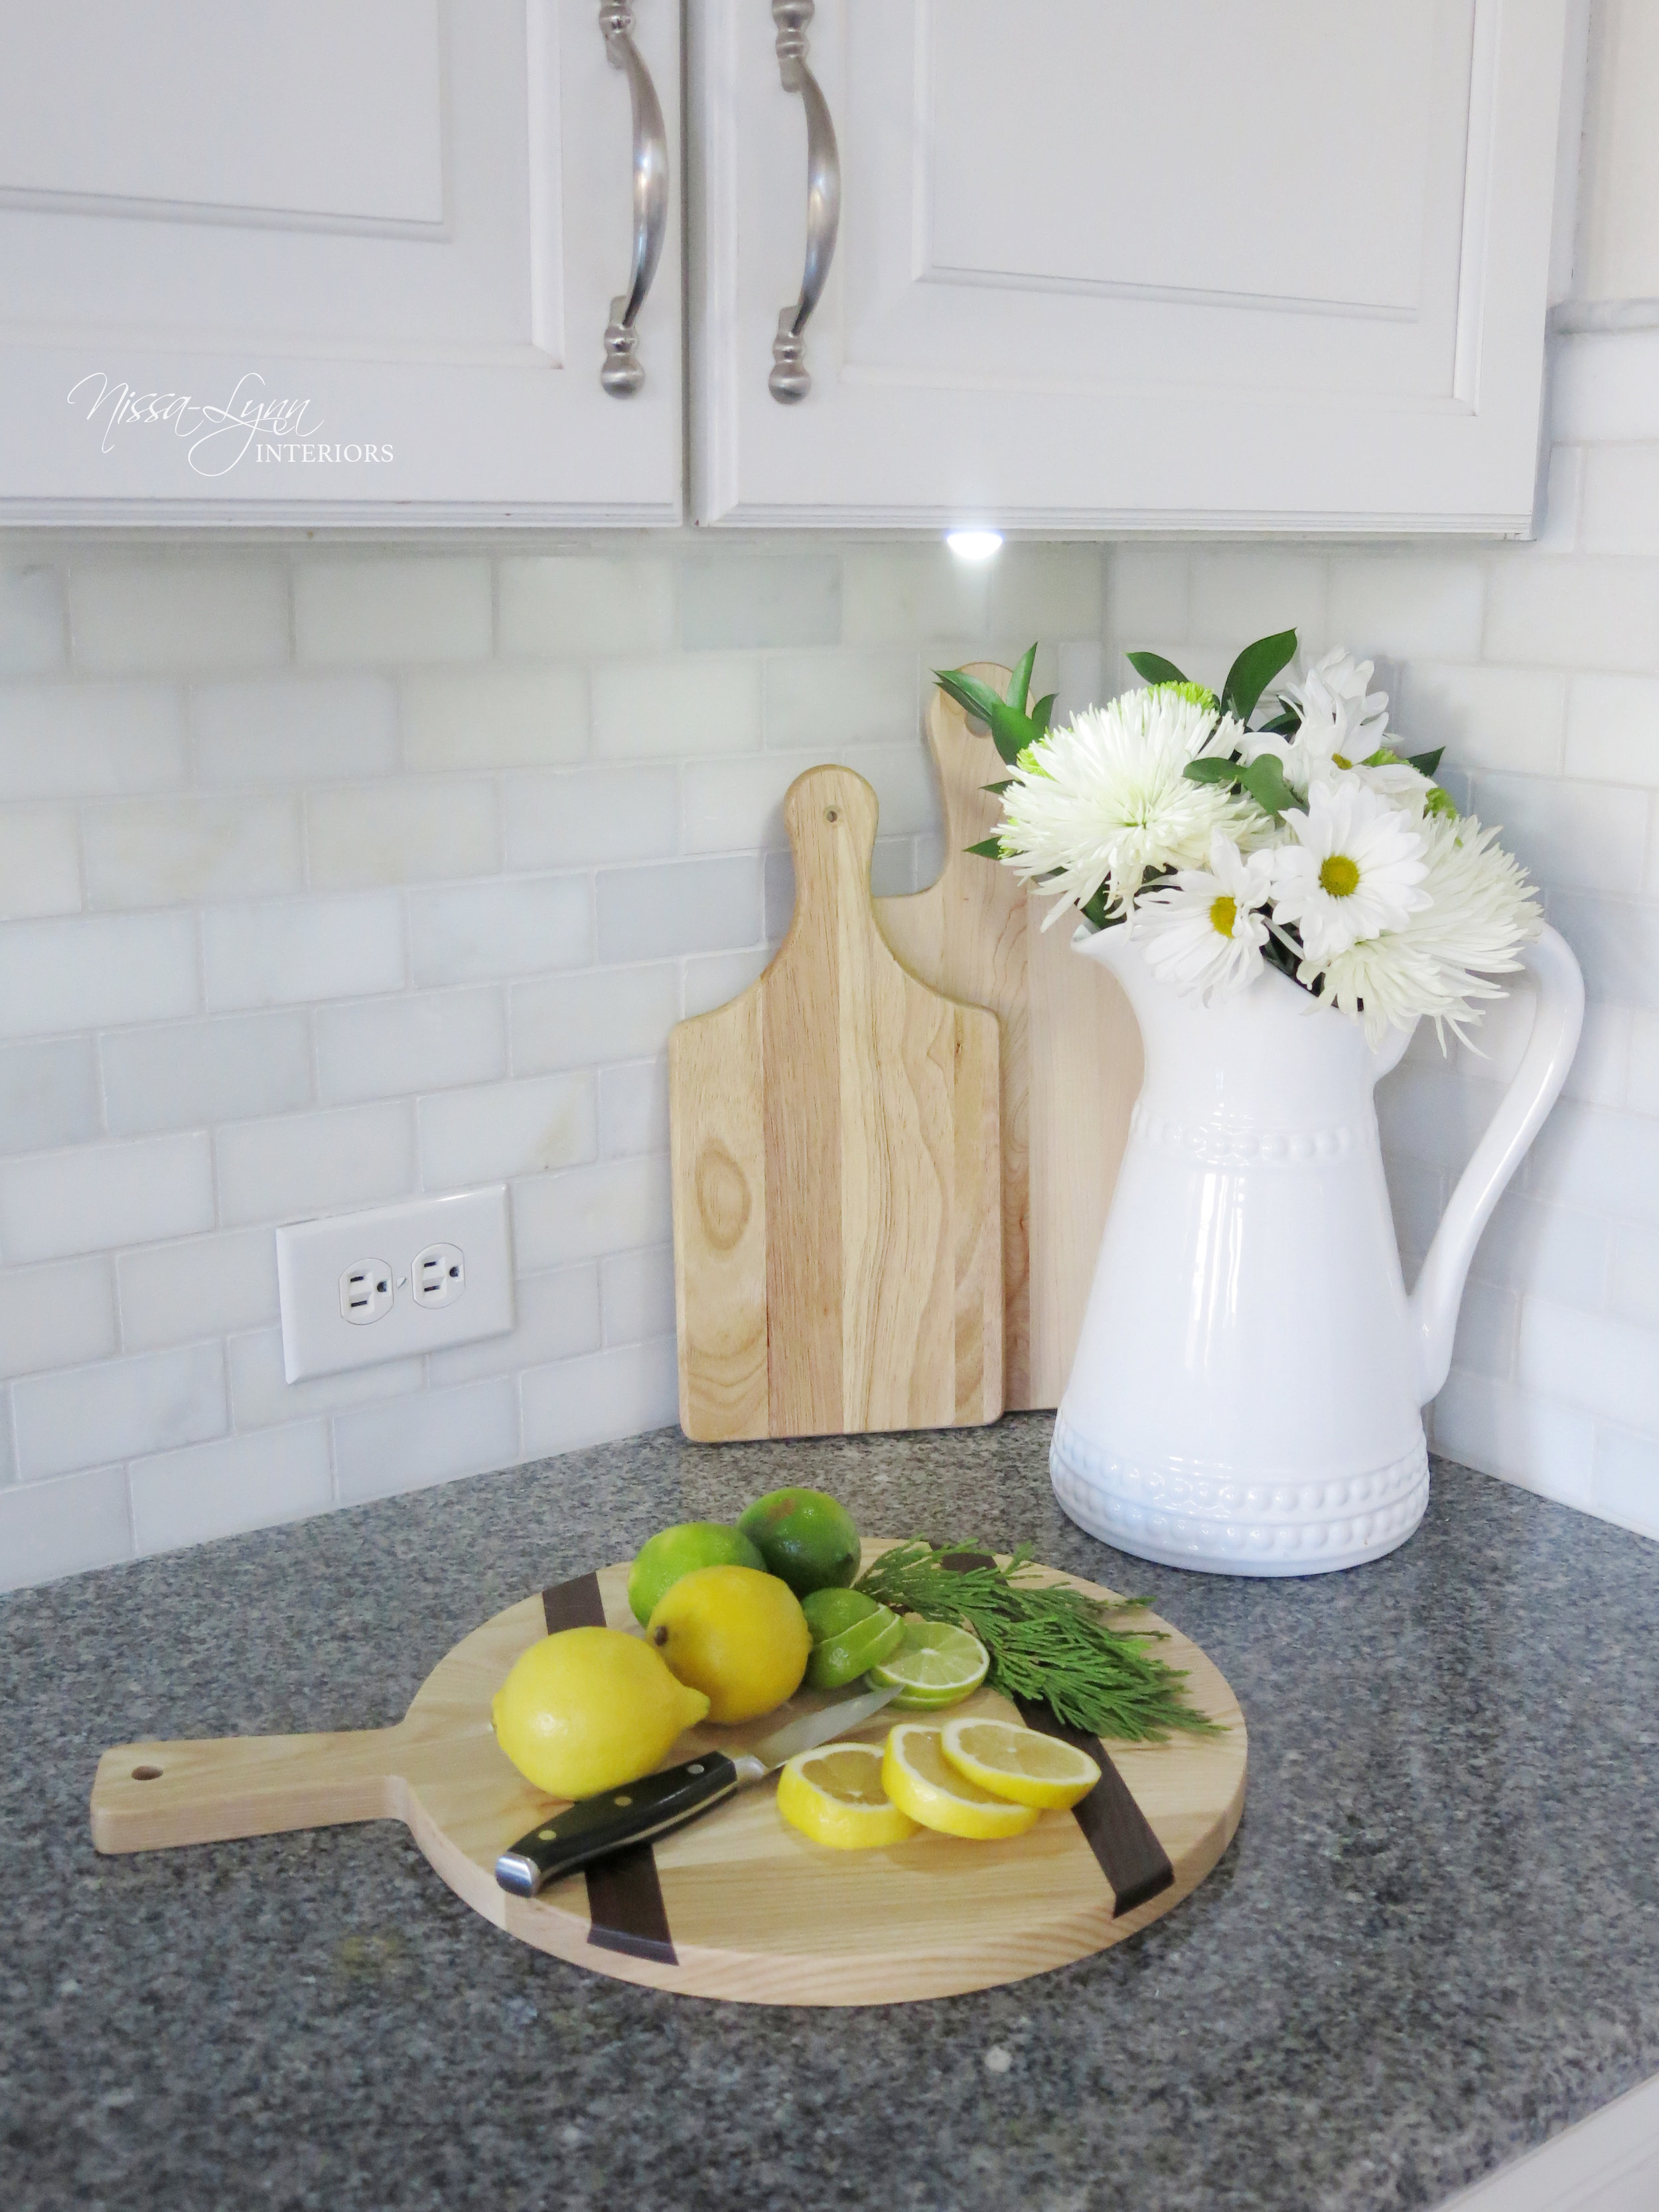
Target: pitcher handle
{"type": "Point", "coordinates": [1533, 1090]}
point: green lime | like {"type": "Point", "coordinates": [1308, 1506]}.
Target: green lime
{"type": "Point", "coordinates": [829, 1611]}
{"type": "Point", "coordinates": [935, 1664]}
{"type": "Point", "coordinates": [807, 1539]}
{"type": "Point", "coordinates": [842, 1658]}
{"type": "Point", "coordinates": [678, 1551]}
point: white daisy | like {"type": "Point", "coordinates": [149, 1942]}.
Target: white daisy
{"type": "Point", "coordinates": [1352, 872]}
{"type": "Point", "coordinates": [1204, 931]}
{"type": "Point", "coordinates": [1342, 724]}
{"type": "Point", "coordinates": [1106, 798]}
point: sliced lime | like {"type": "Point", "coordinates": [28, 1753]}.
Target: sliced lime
{"type": "Point", "coordinates": [830, 1611]}
{"type": "Point", "coordinates": [839, 1660]}
{"type": "Point", "coordinates": [935, 1663]}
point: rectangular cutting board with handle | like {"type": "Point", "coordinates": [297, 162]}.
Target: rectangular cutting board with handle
{"type": "Point", "coordinates": [1070, 1054]}
{"type": "Point", "coordinates": [834, 1155]}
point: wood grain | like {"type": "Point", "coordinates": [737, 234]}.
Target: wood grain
{"type": "Point", "coordinates": [756, 1913]}
{"type": "Point", "coordinates": [834, 1155]}
{"type": "Point", "coordinates": [1071, 1055]}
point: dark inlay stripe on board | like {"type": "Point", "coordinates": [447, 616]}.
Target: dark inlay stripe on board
{"type": "Point", "coordinates": [1113, 1826]}
{"type": "Point", "coordinates": [624, 1896]}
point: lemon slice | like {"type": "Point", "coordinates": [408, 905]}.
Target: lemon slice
{"type": "Point", "coordinates": [835, 1795]}
{"type": "Point", "coordinates": [936, 1664]}
{"type": "Point", "coordinates": [921, 1782]}
{"type": "Point", "coordinates": [1019, 1763]}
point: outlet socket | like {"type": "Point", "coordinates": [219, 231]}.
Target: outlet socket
{"type": "Point", "coordinates": [437, 1277]}
{"type": "Point", "coordinates": [365, 1291]}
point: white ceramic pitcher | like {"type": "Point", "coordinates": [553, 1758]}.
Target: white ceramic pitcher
{"type": "Point", "coordinates": [1246, 1394]}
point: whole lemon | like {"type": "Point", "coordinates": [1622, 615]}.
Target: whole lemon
{"type": "Point", "coordinates": [590, 1708]}
{"type": "Point", "coordinates": [679, 1551]}
{"type": "Point", "coordinates": [738, 1635]}
{"type": "Point", "coordinates": [804, 1535]}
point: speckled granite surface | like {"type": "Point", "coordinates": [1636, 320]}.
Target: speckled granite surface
{"type": "Point", "coordinates": [1435, 1942]}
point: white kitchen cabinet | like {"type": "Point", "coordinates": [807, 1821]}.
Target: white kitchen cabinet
{"type": "Point", "coordinates": [381, 237]}
{"type": "Point", "coordinates": [1229, 264]}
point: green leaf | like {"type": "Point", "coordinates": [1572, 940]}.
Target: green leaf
{"type": "Point", "coordinates": [988, 848]}
{"type": "Point", "coordinates": [1155, 668]}
{"type": "Point", "coordinates": [1254, 671]}
{"type": "Point", "coordinates": [1019, 683]}
{"type": "Point", "coordinates": [1439, 801]}
{"type": "Point", "coordinates": [1264, 779]}
{"type": "Point", "coordinates": [1044, 708]}
{"type": "Point", "coordinates": [996, 790]}
{"type": "Point", "coordinates": [1011, 732]}
{"type": "Point", "coordinates": [1285, 724]}
{"type": "Point", "coordinates": [1210, 768]}
{"type": "Point", "coordinates": [968, 691]}
{"type": "Point", "coordinates": [1094, 909]}
{"type": "Point", "coordinates": [1427, 763]}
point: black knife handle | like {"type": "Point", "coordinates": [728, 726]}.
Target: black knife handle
{"type": "Point", "coordinates": [632, 1815]}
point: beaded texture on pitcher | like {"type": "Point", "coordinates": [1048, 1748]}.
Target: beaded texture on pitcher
{"type": "Point", "coordinates": [1219, 1147]}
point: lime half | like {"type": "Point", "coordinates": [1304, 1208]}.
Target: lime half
{"type": "Point", "coordinates": [841, 1659]}
{"type": "Point", "coordinates": [935, 1664]}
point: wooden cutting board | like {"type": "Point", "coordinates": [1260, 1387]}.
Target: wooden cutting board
{"type": "Point", "coordinates": [738, 1904]}
{"type": "Point", "coordinates": [834, 1149]}
{"type": "Point", "coordinates": [1071, 1055]}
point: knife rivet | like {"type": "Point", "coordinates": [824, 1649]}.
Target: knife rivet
{"type": "Point", "coordinates": [543, 1835]}
{"type": "Point", "coordinates": [621, 1800]}
{"type": "Point", "coordinates": [693, 1770]}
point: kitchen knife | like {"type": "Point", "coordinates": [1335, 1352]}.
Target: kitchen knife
{"type": "Point", "coordinates": [656, 1802]}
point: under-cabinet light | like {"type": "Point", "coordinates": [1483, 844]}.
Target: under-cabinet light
{"type": "Point", "coordinates": [974, 544]}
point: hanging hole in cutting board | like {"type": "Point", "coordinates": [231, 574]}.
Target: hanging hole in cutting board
{"type": "Point", "coordinates": [146, 1773]}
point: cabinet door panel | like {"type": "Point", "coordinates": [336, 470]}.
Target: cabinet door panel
{"type": "Point", "coordinates": [1104, 266]}
{"type": "Point", "coordinates": [349, 259]}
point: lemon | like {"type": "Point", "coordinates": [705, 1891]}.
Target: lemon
{"type": "Point", "coordinates": [835, 1795]}
{"type": "Point", "coordinates": [590, 1708]}
{"type": "Point", "coordinates": [678, 1551]}
{"type": "Point", "coordinates": [735, 1633]}
{"type": "Point", "coordinates": [804, 1535]}
{"type": "Point", "coordinates": [921, 1782]}
{"type": "Point", "coordinates": [936, 1664]}
{"type": "Point", "coordinates": [1019, 1763]}
{"type": "Point", "coordinates": [838, 1660]}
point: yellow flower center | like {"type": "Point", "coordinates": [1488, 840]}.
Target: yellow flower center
{"type": "Point", "coordinates": [1223, 913]}
{"type": "Point", "coordinates": [1339, 876]}
{"type": "Point", "coordinates": [1340, 760]}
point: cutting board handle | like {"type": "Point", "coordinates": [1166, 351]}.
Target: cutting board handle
{"type": "Point", "coordinates": [147, 1796]}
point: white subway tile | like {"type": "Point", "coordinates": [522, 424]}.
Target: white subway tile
{"type": "Point", "coordinates": [721, 976]}
{"type": "Point", "coordinates": [97, 968]}
{"type": "Point", "coordinates": [1533, 1441]}
{"type": "Point", "coordinates": [495, 718]}
{"type": "Point", "coordinates": [58, 1316]}
{"type": "Point", "coordinates": [1644, 1080]}
{"type": "Point", "coordinates": [779, 896]}
{"type": "Point", "coordinates": [1080, 676]}
{"type": "Point", "coordinates": [1240, 594]}
{"type": "Point", "coordinates": [602, 1014]}
{"type": "Point", "coordinates": [307, 1163]}
{"type": "Point", "coordinates": [474, 933]}
{"type": "Point", "coordinates": [184, 1075]}
{"type": "Point", "coordinates": [1617, 942]}
{"type": "Point", "coordinates": [1609, 1367]}
{"type": "Point", "coordinates": [1613, 729]}
{"type": "Point", "coordinates": [219, 1489]}
{"type": "Point", "coordinates": [893, 594]}
{"type": "Point", "coordinates": [306, 729]}
{"type": "Point", "coordinates": [619, 1393]}
{"type": "Point", "coordinates": [1556, 523]}
{"type": "Point", "coordinates": [33, 636]}
{"type": "Point", "coordinates": [1626, 1485]}
{"type": "Point", "coordinates": [1619, 509]}
{"type": "Point", "coordinates": [587, 604]}
{"type": "Point", "coordinates": [827, 701]}
{"type": "Point", "coordinates": [84, 1416]}
{"type": "Point", "coordinates": [558, 1317]}
{"type": "Point", "coordinates": [98, 1196]}
{"type": "Point", "coordinates": [633, 1108]}
{"type": "Point", "coordinates": [1046, 592]}
{"type": "Point", "coordinates": [738, 805]}
{"type": "Point", "coordinates": [389, 1047]}
{"type": "Point", "coordinates": [1496, 718]}
{"type": "Point", "coordinates": [636, 1294]}
{"type": "Point", "coordinates": [1548, 1249]}
{"type": "Point", "coordinates": [287, 951]}
{"type": "Point", "coordinates": [1416, 603]}
{"type": "Point", "coordinates": [1600, 1071]}
{"type": "Point", "coordinates": [154, 611]}
{"type": "Point", "coordinates": [402, 832]}
{"type": "Point", "coordinates": [432, 1437]}
{"type": "Point", "coordinates": [730, 599]}
{"type": "Point", "coordinates": [48, 1095]}
{"type": "Point", "coordinates": [39, 862]}
{"type": "Point", "coordinates": [204, 1286]}
{"type": "Point", "coordinates": [1585, 1156]}
{"type": "Point", "coordinates": [52, 1528]}
{"type": "Point", "coordinates": [1488, 1323]}
{"type": "Point", "coordinates": [590, 1211]}
{"type": "Point", "coordinates": [505, 1129]}
{"type": "Point", "coordinates": [1633, 1274]}
{"type": "Point", "coordinates": [260, 1394]}
{"type": "Point", "coordinates": [1416, 1194]}
{"type": "Point", "coordinates": [1433, 1116]}
{"type": "Point", "coordinates": [383, 607]}
{"type": "Point", "coordinates": [592, 815]}
{"type": "Point", "coordinates": [1578, 613]}
{"type": "Point", "coordinates": [1567, 833]}
{"type": "Point", "coordinates": [1148, 596]}
{"type": "Point", "coordinates": [90, 740]}
{"type": "Point", "coordinates": [677, 708]}
{"type": "Point", "coordinates": [678, 907]}
{"type": "Point", "coordinates": [186, 847]}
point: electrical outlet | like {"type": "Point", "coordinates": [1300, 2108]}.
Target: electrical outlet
{"type": "Point", "coordinates": [447, 1279]}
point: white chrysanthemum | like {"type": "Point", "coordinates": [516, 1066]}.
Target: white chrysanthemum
{"type": "Point", "coordinates": [1352, 872]}
{"type": "Point", "coordinates": [1106, 798]}
{"type": "Point", "coordinates": [1479, 911]}
{"type": "Point", "coordinates": [1342, 724]}
{"type": "Point", "coordinates": [1204, 931]}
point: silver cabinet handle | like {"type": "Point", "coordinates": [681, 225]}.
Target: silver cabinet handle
{"type": "Point", "coordinates": [790, 379]}
{"type": "Point", "coordinates": [623, 372]}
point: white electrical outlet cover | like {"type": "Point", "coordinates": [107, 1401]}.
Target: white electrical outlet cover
{"type": "Point", "coordinates": [470, 1229]}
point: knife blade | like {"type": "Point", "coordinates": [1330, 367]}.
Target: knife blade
{"type": "Point", "coordinates": [639, 1811]}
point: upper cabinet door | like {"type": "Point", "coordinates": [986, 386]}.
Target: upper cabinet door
{"type": "Point", "coordinates": [337, 260]}
{"type": "Point", "coordinates": [1104, 265]}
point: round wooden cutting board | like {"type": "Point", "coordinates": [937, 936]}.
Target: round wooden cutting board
{"type": "Point", "coordinates": [737, 1904]}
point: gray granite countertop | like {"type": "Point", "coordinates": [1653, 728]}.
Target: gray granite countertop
{"type": "Point", "coordinates": [1434, 1943]}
